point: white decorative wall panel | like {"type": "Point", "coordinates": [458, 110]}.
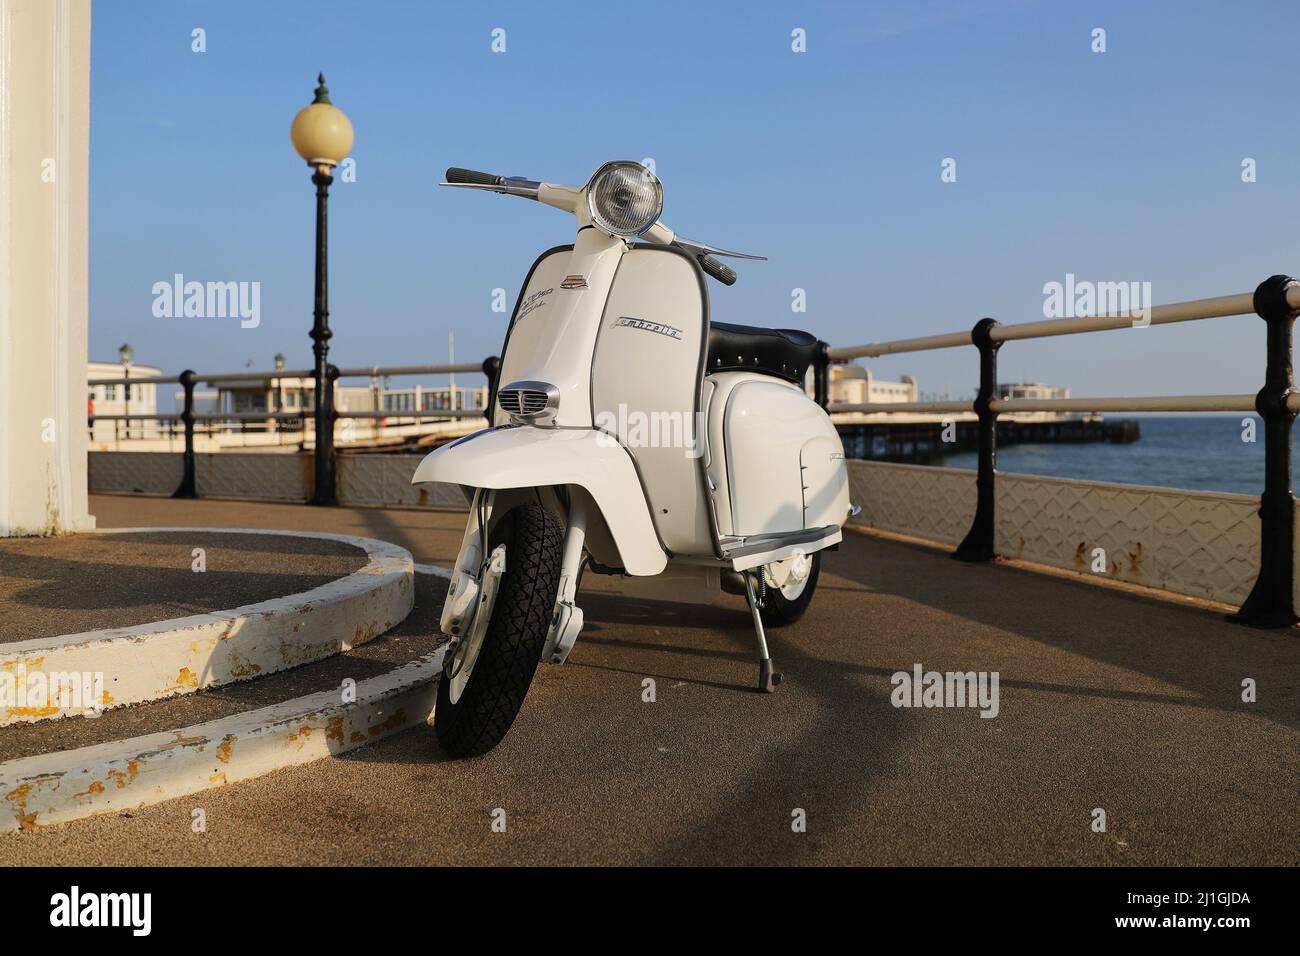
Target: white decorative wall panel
{"type": "Point", "coordinates": [269, 476]}
{"type": "Point", "coordinates": [1198, 543]}
{"type": "Point", "coordinates": [1201, 544]}
{"type": "Point", "coordinates": [386, 480]}
{"type": "Point", "coordinates": [135, 472]}
{"type": "Point", "coordinates": [362, 479]}
{"type": "Point", "coordinates": [926, 502]}
{"type": "Point", "coordinates": [1195, 543]}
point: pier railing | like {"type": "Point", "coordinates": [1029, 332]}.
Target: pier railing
{"type": "Point", "coordinates": [188, 417]}
{"type": "Point", "coordinates": [1276, 301]}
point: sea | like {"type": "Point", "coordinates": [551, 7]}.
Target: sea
{"type": "Point", "coordinates": [1191, 452]}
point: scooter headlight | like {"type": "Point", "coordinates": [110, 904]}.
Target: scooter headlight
{"type": "Point", "coordinates": [625, 199]}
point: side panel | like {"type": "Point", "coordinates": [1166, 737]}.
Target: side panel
{"type": "Point", "coordinates": [777, 460]}
{"type": "Point", "coordinates": [765, 426]}
{"type": "Point", "coordinates": [645, 387]}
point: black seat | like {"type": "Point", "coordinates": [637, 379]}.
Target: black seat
{"type": "Point", "coordinates": [785, 353]}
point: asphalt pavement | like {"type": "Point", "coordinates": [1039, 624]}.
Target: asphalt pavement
{"type": "Point", "coordinates": [1108, 702]}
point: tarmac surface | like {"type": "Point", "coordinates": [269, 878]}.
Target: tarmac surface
{"type": "Point", "coordinates": [1107, 701]}
{"type": "Point", "coordinates": [87, 582]}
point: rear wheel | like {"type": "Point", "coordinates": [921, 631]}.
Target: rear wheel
{"type": "Point", "coordinates": [487, 672]}
{"type": "Point", "coordinates": [790, 585]}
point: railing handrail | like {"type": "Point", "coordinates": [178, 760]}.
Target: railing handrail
{"type": "Point", "coordinates": [432, 414]}
{"type": "Point", "coordinates": [874, 407]}
{"type": "Point", "coordinates": [1190, 311]}
{"type": "Point", "coordinates": [370, 371]}
{"type": "Point", "coordinates": [1005, 406]}
{"type": "Point", "coordinates": [137, 380]}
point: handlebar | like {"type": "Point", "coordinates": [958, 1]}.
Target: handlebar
{"type": "Point", "coordinates": [568, 198]}
{"type": "Point", "coordinates": [507, 185]}
{"type": "Point", "coordinates": [718, 269]}
{"type": "Point", "coordinates": [472, 177]}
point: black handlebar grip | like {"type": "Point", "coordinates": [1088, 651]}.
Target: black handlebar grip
{"type": "Point", "coordinates": [720, 271]}
{"type": "Point", "coordinates": [471, 177]}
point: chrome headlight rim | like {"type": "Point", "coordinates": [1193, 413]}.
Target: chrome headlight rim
{"type": "Point", "coordinates": [594, 198]}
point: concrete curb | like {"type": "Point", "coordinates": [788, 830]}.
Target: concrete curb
{"type": "Point", "coordinates": [54, 788]}
{"type": "Point", "coordinates": [166, 658]}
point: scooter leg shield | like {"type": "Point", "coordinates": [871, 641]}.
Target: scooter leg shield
{"type": "Point", "coordinates": [528, 457]}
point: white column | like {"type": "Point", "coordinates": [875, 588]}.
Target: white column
{"type": "Point", "coordinates": [44, 171]}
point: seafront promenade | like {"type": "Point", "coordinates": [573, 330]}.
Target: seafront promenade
{"type": "Point", "coordinates": [1108, 700]}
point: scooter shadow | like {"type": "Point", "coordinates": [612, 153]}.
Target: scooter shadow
{"type": "Point", "coordinates": [610, 607]}
{"type": "Point", "coordinates": [608, 614]}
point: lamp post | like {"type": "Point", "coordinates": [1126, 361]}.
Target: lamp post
{"type": "Point", "coordinates": [277, 389]}
{"type": "Point", "coordinates": [322, 135]}
{"type": "Point", "coordinates": [127, 355]}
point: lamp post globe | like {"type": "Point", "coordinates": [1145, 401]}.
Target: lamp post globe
{"type": "Point", "coordinates": [322, 135]}
{"type": "Point", "coordinates": [321, 132]}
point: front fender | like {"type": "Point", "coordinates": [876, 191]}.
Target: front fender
{"type": "Point", "coordinates": [527, 457]}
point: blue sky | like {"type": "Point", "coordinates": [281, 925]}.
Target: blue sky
{"type": "Point", "coordinates": [1124, 165]}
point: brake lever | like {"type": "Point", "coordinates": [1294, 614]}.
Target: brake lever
{"type": "Point", "coordinates": [703, 248]}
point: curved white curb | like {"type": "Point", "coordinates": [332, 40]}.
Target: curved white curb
{"type": "Point", "coordinates": [53, 788]}
{"type": "Point", "coordinates": [165, 658]}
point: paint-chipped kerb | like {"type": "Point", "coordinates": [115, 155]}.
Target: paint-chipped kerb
{"type": "Point", "coordinates": [82, 674]}
{"type": "Point", "coordinates": [52, 788]}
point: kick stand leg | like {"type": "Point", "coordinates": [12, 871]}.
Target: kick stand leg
{"type": "Point", "coordinates": [767, 678]}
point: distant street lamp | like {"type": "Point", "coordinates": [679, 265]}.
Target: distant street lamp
{"type": "Point", "coordinates": [127, 355]}
{"type": "Point", "coordinates": [322, 135]}
{"type": "Point", "coordinates": [279, 387]}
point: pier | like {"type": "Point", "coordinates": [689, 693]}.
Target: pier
{"type": "Point", "coordinates": [924, 442]}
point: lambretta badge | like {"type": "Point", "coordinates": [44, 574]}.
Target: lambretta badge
{"type": "Point", "coordinates": [628, 322]}
{"type": "Point", "coordinates": [532, 303]}
{"type": "Point", "coordinates": [574, 282]}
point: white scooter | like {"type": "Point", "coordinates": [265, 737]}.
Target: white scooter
{"type": "Point", "coordinates": [631, 437]}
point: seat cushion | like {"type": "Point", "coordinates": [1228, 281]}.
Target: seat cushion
{"type": "Point", "coordinates": [785, 353]}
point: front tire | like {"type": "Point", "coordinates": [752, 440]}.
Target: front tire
{"type": "Point", "coordinates": [786, 603]}
{"type": "Point", "coordinates": [490, 695]}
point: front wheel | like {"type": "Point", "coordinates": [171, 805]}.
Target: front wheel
{"type": "Point", "coordinates": [487, 672]}
{"type": "Point", "coordinates": [790, 585]}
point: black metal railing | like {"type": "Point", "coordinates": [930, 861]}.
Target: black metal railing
{"type": "Point", "coordinates": [1276, 300]}
{"type": "Point", "coordinates": [188, 417]}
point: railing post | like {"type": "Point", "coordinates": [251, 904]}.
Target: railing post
{"type": "Point", "coordinates": [821, 375]}
{"type": "Point", "coordinates": [1272, 602]}
{"type": "Point", "coordinates": [188, 487]}
{"type": "Point", "coordinates": [978, 543]}
{"type": "Point", "coordinates": [492, 369]}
